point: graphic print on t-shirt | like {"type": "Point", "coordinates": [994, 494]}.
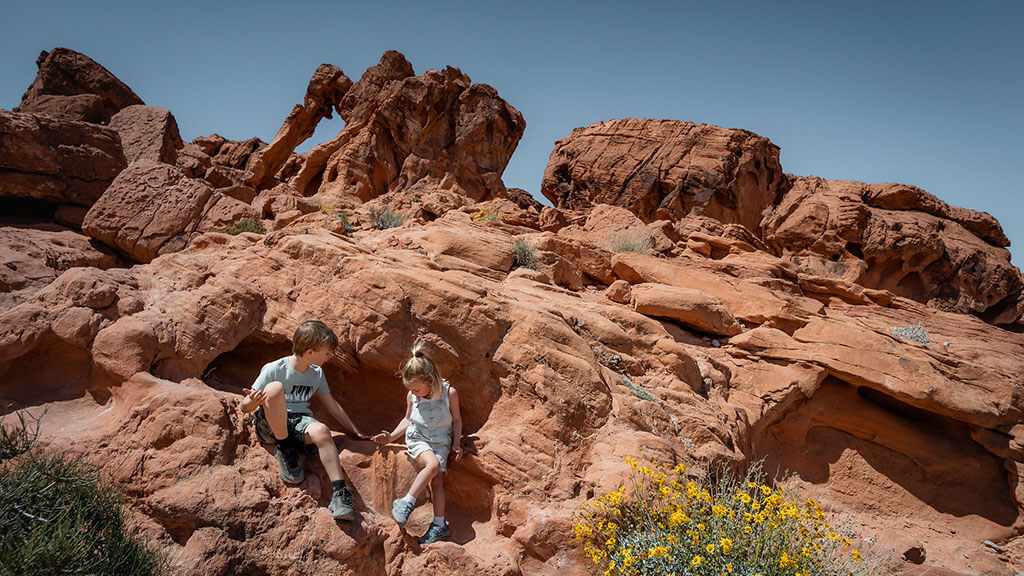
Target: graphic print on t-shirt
{"type": "Point", "coordinates": [299, 394]}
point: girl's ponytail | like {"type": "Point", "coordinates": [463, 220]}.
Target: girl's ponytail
{"type": "Point", "coordinates": [421, 368]}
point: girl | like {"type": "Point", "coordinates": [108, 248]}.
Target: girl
{"type": "Point", "coordinates": [432, 426]}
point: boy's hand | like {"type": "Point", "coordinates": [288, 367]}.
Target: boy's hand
{"type": "Point", "coordinates": [457, 451]}
{"type": "Point", "coordinates": [383, 438]}
{"type": "Point", "coordinates": [257, 397]}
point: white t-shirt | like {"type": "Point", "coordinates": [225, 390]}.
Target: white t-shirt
{"type": "Point", "coordinates": [299, 387]}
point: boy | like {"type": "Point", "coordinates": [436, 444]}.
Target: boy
{"type": "Point", "coordinates": [281, 394]}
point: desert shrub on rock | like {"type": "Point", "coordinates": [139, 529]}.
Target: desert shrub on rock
{"type": "Point", "coordinates": [664, 523]}
{"type": "Point", "coordinates": [59, 515]}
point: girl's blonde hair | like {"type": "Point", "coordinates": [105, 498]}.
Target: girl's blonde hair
{"type": "Point", "coordinates": [421, 368]}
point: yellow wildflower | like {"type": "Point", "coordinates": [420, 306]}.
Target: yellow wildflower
{"type": "Point", "coordinates": [696, 561]}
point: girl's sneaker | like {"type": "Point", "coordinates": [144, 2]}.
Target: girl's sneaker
{"type": "Point", "coordinates": [434, 533]}
{"type": "Point", "coordinates": [400, 511]}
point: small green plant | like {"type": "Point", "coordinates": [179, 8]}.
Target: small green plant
{"type": "Point", "coordinates": [415, 198]}
{"type": "Point", "coordinates": [636, 390]}
{"type": "Point", "coordinates": [717, 524]}
{"type": "Point", "coordinates": [246, 225]}
{"type": "Point", "coordinates": [344, 221]}
{"type": "Point", "coordinates": [915, 332]}
{"type": "Point", "coordinates": [382, 218]}
{"type": "Point", "coordinates": [636, 242]}
{"type": "Point", "coordinates": [523, 255]}
{"type": "Point", "coordinates": [60, 515]}
{"type": "Point", "coordinates": [487, 215]}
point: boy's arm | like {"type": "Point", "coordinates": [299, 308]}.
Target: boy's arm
{"type": "Point", "coordinates": [255, 396]}
{"type": "Point", "coordinates": [399, 431]}
{"type": "Point", "coordinates": [339, 414]}
{"type": "Point", "coordinates": [453, 404]}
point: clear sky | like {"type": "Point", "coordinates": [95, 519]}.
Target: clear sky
{"type": "Point", "coordinates": [928, 93]}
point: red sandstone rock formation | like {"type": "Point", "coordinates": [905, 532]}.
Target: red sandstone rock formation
{"type": "Point", "coordinates": [326, 89]}
{"type": "Point", "coordinates": [71, 86]}
{"type": "Point", "coordinates": [402, 130]}
{"type": "Point", "coordinates": [153, 208]}
{"type": "Point", "coordinates": [56, 161]}
{"type": "Point", "coordinates": [665, 169]}
{"type": "Point", "coordinates": [896, 238]}
{"type": "Point", "coordinates": [148, 133]}
{"type": "Point", "coordinates": [714, 337]}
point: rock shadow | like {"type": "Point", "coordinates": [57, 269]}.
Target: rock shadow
{"type": "Point", "coordinates": [931, 457]}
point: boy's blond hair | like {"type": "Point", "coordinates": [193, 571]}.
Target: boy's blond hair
{"type": "Point", "coordinates": [313, 335]}
{"type": "Point", "coordinates": [421, 368]}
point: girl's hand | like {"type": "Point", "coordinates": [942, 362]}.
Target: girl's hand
{"type": "Point", "coordinates": [383, 438]}
{"type": "Point", "coordinates": [257, 397]}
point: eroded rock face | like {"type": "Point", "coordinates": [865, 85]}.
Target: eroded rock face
{"type": "Point", "coordinates": [553, 382]}
{"type": "Point", "coordinates": [32, 258]}
{"type": "Point", "coordinates": [401, 129]}
{"type": "Point", "coordinates": [665, 169]}
{"type": "Point", "coordinates": [153, 208]}
{"type": "Point", "coordinates": [56, 161]}
{"type": "Point", "coordinates": [896, 238]}
{"type": "Point", "coordinates": [148, 133]}
{"type": "Point", "coordinates": [72, 86]}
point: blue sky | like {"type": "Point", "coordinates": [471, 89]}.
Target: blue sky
{"type": "Point", "coordinates": [927, 93]}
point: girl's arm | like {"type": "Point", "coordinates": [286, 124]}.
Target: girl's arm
{"type": "Point", "coordinates": [453, 404]}
{"type": "Point", "coordinates": [339, 414]}
{"type": "Point", "coordinates": [386, 437]}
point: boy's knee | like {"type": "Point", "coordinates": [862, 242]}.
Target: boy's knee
{"type": "Point", "coordinates": [274, 389]}
{"type": "Point", "coordinates": [318, 432]}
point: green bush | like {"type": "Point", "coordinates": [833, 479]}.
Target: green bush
{"type": "Point", "coordinates": [523, 255]}
{"type": "Point", "coordinates": [667, 524]}
{"type": "Point", "coordinates": [383, 218]}
{"type": "Point", "coordinates": [58, 515]}
{"type": "Point", "coordinates": [246, 225]}
{"type": "Point", "coordinates": [636, 242]}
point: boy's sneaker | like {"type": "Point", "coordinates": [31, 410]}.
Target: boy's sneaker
{"type": "Point", "coordinates": [341, 504]}
{"type": "Point", "coordinates": [434, 533]}
{"type": "Point", "coordinates": [400, 510]}
{"type": "Point", "coordinates": [288, 465]}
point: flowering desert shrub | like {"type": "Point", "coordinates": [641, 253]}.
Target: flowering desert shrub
{"type": "Point", "coordinates": [668, 525]}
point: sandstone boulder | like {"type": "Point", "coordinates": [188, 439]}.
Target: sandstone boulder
{"type": "Point", "coordinates": [56, 161]}
{"type": "Point", "coordinates": [692, 308]}
{"type": "Point", "coordinates": [71, 86]}
{"type": "Point", "coordinates": [665, 169]}
{"type": "Point", "coordinates": [148, 133]}
{"type": "Point", "coordinates": [152, 209]}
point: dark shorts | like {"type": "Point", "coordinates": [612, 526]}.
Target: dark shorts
{"type": "Point", "coordinates": [297, 424]}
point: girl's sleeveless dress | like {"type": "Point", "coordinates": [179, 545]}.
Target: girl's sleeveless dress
{"type": "Point", "coordinates": [430, 426]}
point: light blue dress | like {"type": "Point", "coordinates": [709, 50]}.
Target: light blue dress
{"type": "Point", "coordinates": [430, 426]}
